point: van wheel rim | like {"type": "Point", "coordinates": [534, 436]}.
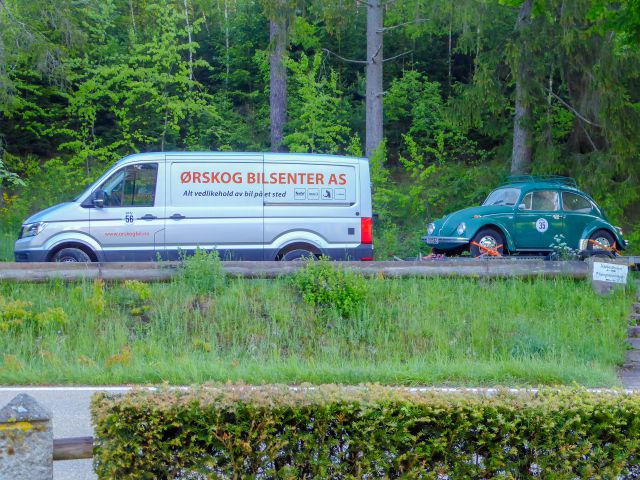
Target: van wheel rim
{"type": "Point", "coordinates": [67, 260]}
{"type": "Point", "coordinates": [601, 241]}
{"type": "Point", "coordinates": [488, 242]}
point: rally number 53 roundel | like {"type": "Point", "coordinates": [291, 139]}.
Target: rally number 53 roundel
{"type": "Point", "coordinates": [542, 225]}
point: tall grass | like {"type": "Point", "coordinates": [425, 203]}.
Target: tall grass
{"type": "Point", "coordinates": [7, 239]}
{"type": "Point", "coordinates": [410, 331]}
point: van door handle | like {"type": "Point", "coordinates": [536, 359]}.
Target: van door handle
{"type": "Point", "coordinates": [148, 216]}
{"type": "Point", "coordinates": [177, 216]}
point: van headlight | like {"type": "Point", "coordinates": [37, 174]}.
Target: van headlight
{"type": "Point", "coordinates": [431, 228]}
{"type": "Point", "coordinates": [32, 229]}
{"type": "Point", "coordinates": [461, 228]}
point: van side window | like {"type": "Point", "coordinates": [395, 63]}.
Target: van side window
{"type": "Point", "coordinates": [132, 186]}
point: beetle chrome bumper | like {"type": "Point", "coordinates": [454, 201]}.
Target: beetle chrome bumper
{"type": "Point", "coordinates": [436, 240]}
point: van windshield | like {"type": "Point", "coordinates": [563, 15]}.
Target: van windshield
{"type": "Point", "coordinates": [503, 196]}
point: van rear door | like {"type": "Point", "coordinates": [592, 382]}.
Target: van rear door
{"type": "Point", "coordinates": [215, 201]}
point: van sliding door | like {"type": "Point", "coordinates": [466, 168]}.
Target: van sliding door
{"type": "Point", "coordinates": [215, 201]}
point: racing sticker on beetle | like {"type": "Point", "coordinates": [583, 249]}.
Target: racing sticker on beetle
{"type": "Point", "coordinates": [129, 218]}
{"type": "Point", "coordinates": [542, 225]}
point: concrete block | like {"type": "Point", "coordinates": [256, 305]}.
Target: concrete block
{"type": "Point", "coordinates": [26, 440]}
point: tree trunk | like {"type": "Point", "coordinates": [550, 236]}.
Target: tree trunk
{"type": "Point", "coordinates": [522, 148]}
{"type": "Point", "coordinates": [278, 82]}
{"type": "Point", "coordinates": [374, 133]}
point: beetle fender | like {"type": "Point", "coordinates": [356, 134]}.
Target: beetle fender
{"type": "Point", "coordinates": [598, 224]}
{"type": "Point", "coordinates": [496, 225]}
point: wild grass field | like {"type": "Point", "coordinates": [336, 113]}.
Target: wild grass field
{"type": "Point", "coordinates": [411, 331]}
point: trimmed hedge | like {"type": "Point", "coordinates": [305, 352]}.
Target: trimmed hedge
{"type": "Point", "coordinates": [339, 432]}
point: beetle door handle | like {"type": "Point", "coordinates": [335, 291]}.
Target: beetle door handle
{"type": "Point", "coordinates": [557, 217]}
{"type": "Point", "coordinates": [177, 216]}
{"type": "Point", "coordinates": [148, 216]}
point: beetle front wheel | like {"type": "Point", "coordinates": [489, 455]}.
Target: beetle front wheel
{"type": "Point", "coordinates": [487, 243]}
{"type": "Point", "coordinates": [601, 241]}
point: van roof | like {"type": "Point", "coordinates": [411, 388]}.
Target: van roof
{"type": "Point", "coordinates": [320, 157]}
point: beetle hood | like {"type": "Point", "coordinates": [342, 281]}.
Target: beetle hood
{"type": "Point", "coordinates": [448, 224]}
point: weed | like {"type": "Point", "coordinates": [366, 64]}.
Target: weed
{"type": "Point", "coordinates": [121, 358]}
{"type": "Point", "coordinates": [53, 318]}
{"type": "Point", "coordinates": [201, 273]}
{"type": "Point", "coordinates": [323, 284]}
{"type": "Point", "coordinates": [97, 301]}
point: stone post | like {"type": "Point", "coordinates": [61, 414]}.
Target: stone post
{"type": "Point", "coordinates": [26, 440]}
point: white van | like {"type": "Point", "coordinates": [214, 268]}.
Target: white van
{"type": "Point", "coordinates": [248, 206]}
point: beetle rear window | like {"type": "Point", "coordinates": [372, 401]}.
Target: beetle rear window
{"type": "Point", "coordinates": [503, 196]}
{"type": "Point", "coordinates": [572, 202]}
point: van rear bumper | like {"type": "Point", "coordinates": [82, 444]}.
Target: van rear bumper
{"type": "Point", "coordinates": [30, 255]}
{"type": "Point", "coordinates": [361, 252]}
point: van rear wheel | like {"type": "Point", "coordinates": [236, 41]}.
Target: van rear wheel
{"type": "Point", "coordinates": [300, 251]}
{"type": "Point", "coordinates": [297, 254]}
{"type": "Point", "coordinates": [71, 255]}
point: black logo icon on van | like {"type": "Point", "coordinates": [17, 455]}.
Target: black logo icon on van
{"type": "Point", "coordinates": [327, 194]}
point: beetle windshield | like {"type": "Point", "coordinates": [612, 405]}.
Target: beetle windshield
{"type": "Point", "coordinates": [503, 196]}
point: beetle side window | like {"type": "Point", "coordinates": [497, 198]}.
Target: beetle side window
{"type": "Point", "coordinates": [132, 186]}
{"type": "Point", "coordinates": [572, 202]}
{"type": "Point", "coordinates": [541, 200]}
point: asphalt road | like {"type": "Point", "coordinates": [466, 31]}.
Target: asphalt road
{"type": "Point", "coordinates": [70, 408]}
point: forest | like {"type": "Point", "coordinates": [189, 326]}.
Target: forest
{"type": "Point", "coordinates": [445, 97]}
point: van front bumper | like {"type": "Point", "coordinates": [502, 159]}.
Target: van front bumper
{"type": "Point", "coordinates": [30, 255]}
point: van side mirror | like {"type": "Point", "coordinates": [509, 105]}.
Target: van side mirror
{"type": "Point", "coordinates": [522, 206]}
{"type": "Point", "coordinates": [98, 198]}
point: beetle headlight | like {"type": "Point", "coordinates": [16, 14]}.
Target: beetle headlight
{"type": "Point", "coordinates": [461, 228]}
{"type": "Point", "coordinates": [431, 228]}
{"type": "Point", "coordinates": [32, 229]}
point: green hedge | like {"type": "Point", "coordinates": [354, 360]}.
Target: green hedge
{"type": "Point", "coordinates": [338, 432]}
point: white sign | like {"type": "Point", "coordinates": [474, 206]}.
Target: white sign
{"type": "Point", "coordinates": [610, 272]}
{"type": "Point", "coordinates": [542, 225]}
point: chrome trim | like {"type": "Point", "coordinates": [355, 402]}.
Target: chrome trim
{"type": "Point", "coordinates": [446, 239]}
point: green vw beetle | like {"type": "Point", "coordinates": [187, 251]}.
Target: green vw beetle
{"type": "Point", "coordinates": [527, 215]}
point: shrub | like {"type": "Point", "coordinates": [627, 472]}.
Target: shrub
{"type": "Point", "coordinates": [364, 432]}
{"type": "Point", "coordinates": [17, 315]}
{"type": "Point", "coordinates": [135, 296]}
{"type": "Point", "coordinates": [325, 285]}
{"type": "Point", "coordinates": [202, 273]}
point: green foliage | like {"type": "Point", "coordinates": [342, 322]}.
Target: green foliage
{"type": "Point", "coordinates": [84, 83]}
{"type": "Point", "coordinates": [323, 284]}
{"type": "Point", "coordinates": [18, 316]}
{"type": "Point", "coordinates": [8, 178]}
{"type": "Point", "coordinates": [135, 297]}
{"type": "Point", "coordinates": [201, 273]}
{"type": "Point", "coordinates": [317, 123]}
{"type": "Point", "coordinates": [365, 432]}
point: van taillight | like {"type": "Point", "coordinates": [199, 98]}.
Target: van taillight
{"type": "Point", "coordinates": [366, 231]}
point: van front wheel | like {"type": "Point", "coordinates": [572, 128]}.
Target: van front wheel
{"type": "Point", "coordinates": [71, 255]}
